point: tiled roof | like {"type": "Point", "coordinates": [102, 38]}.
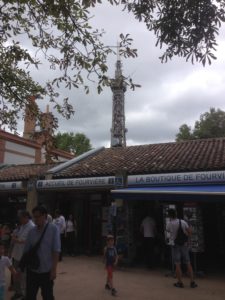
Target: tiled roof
{"type": "Point", "coordinates": [24, 172]}
{"type": "Point", "coordinates": [187, 156]}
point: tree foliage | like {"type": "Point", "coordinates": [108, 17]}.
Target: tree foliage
{"type": "Point", "coordinates": [187, 28]}
{"type": "Point", "coordinates": [184, 133]}
{"type": "Point", "coordinates": [210, 125]}
{"type": "Point", "coordinates": [76, 143]}
{"type": "Point", "coordinates": [59, 32]}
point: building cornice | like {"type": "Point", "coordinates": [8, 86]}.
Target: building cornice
{"type": "Point", "coordinates": [17, 139]}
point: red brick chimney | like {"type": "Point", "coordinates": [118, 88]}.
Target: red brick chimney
{"type": "Point", "coordinates": [47, 121]}
{"type": "Point", "coordinates": [46, 127]}
{"type": "Point", "coordinates": [29, 119]}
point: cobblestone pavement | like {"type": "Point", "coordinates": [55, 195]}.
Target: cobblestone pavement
{"type": "Point", "coordinates": [83, 278]}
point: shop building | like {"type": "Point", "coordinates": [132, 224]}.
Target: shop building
{"type": "Point", "coordinates": [19, 150]}
{"type": "Point", "coordinates": [111, 190]}
{"type": "Point", "coordinates": [16, 188]}
{"type": "Point", "coordinates": [36, 141]}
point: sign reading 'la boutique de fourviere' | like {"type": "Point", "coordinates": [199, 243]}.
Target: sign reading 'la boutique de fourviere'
{"type": "Point", "coordinates": [177, 178]}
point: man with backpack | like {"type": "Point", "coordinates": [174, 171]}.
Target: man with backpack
{"type": "Point", "coordinates": [179, 233]}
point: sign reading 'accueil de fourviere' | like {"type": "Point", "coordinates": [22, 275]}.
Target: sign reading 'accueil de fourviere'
{"type": "Point", "coordinates": [76, 182]}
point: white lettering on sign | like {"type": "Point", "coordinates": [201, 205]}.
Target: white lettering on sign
{"type": "Point", "coordinates": [76, 182]}
{"type": "Point", "coordinates": [175, 178]}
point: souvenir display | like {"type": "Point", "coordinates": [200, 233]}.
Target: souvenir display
{"type": "Point", "coordinates": [107, 224]}
{"type": "Point", "coordinates": [122, 231]}
{"type": "Point", "coordinates": [193, 216]}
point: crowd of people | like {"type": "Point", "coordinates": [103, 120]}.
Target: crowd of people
{"type": "Point", "coordinates": [180, 233]}
{"type": "Point", "coordinates": [32, 250]}
{"type": "Point", "coordinates": [49, 237]}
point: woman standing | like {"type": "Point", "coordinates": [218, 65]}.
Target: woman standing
{"type": "Point", "coordinates": [71, 233]}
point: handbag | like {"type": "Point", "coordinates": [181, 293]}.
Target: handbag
{"type": "Point", "coordinates": [181, 237]}
{"type": "Point", "coordinates": [30, 259]}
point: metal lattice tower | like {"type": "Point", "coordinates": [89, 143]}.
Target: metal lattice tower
{"type": "Point", "coordinates": [118, 87]}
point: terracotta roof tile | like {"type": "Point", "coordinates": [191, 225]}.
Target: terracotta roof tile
{"type": "Point", "coordinates": [24, 172]}
{"type": "Point", "coordinates": [187, 156]}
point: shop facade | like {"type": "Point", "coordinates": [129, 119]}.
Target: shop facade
{"type": "Point", "coordinates": [110, 191]}
{"type": "Point", "coordinates": [198, 197]}
{"type": "Point", "coordinates": [88, 200]}
{"type": "Point", "coordinates": [13, 196]}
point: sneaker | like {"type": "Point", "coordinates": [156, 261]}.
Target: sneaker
{"type": "Point", "coordinates": [107, 287]}
{"type": "Point", "coordinates": [114, 292]}
{"type": "Point", "coordinates": [179, 284]}
{"type": "Point", "coordinates": [193, 284]}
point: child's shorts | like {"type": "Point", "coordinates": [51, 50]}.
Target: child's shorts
{"type": "Point", "coordinates": [2, 292]}
{"type": "Point", "coordinates": [109, 271]}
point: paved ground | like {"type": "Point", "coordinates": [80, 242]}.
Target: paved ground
{"type": "Point", "coordinates": [83, 278]}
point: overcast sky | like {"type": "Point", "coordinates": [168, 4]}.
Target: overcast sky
{"type": "Point", "coordinates": [171, 94]}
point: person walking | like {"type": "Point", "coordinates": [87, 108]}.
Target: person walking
{"type": "Point", "coordinates": [5, 262]}
{"type": "Point", "coordinates": [19, 237]}
{"type": "Point", "coordinates": [60, 222]}
{"type": "Point", "coordinates": [111, 260]}
{"type": "Point", "coordinates": [148, 230]}
{"type": "Point", "coordinates": [71, 233]}
{"type": "Point", "coordinates": [180, 249]}
{"type": "Point", "coordinates": [48, 253]}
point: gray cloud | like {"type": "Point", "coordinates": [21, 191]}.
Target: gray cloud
{"type": "Point", "coordinates": [171, 94]}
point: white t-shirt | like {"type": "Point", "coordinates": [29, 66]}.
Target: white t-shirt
{"type": "Point", "coordinates": [5, 262]}
{"type": "Point", "coordinates": [149, 227]}
{"type": "Point", "coordinates": [70, 226]}
{"type": "Point", "coordinates": [173, 226]}
{"type": "Point", "coordinates": [60, 223]}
